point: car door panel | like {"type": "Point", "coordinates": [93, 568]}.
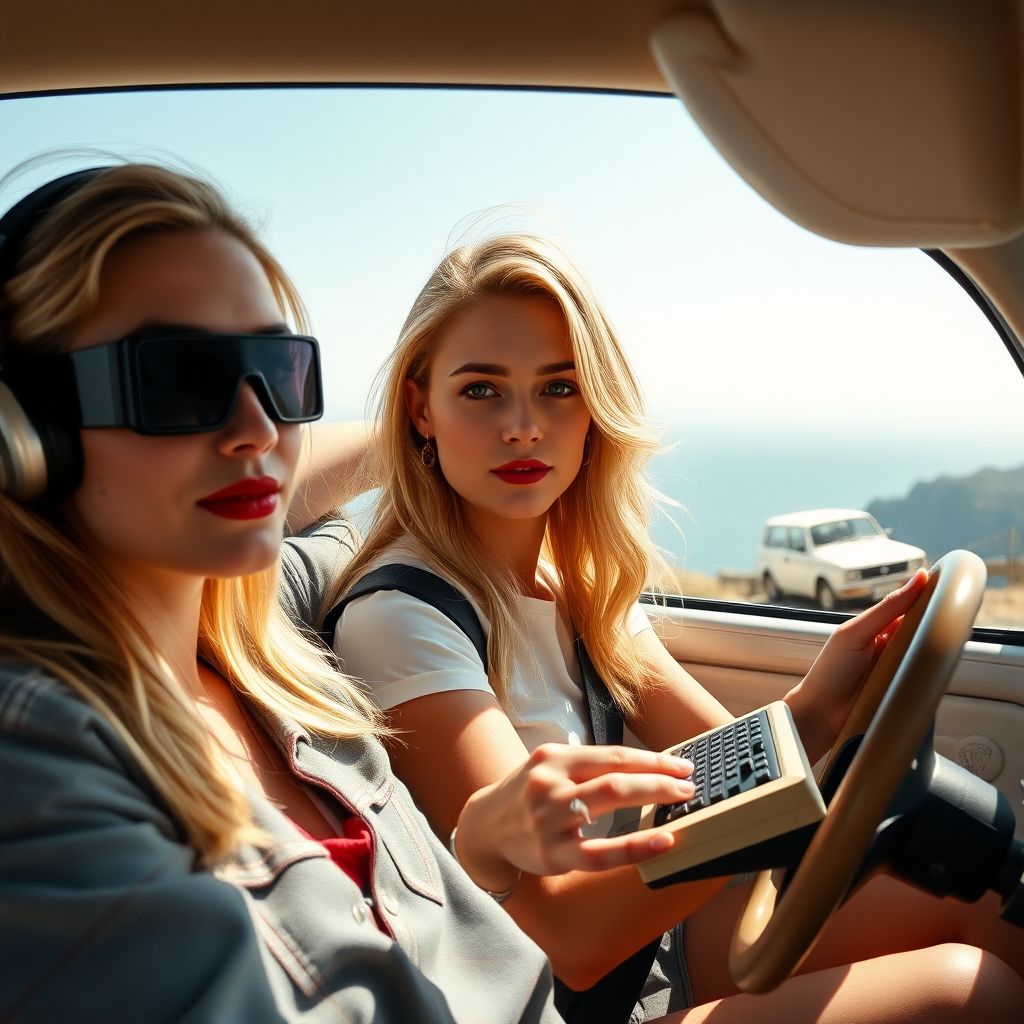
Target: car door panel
{"type": "Point", "coordinates": [747, 661]}
{"type": "Point", "coordinates": [966, 725]}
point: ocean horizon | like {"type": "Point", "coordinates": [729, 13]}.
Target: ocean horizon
{"type": "Point", "coordinates": [729, 482]}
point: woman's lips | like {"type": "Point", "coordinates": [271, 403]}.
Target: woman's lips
{"type": "Point", "coordinates": [522, 471]}
{"type": "Point", "coordinates": [248, 499]}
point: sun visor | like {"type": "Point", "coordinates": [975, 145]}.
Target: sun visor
{"type": "Point", "coordinates": [873, 122]}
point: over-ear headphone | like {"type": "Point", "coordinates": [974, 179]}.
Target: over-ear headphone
{"type": "Point", "coordinates": [40, 448]}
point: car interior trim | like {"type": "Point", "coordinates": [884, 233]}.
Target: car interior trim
{"type": "Point", "coordinates": [871, 124]}
{"type": "Point", "coordinates": [982, 301]}
{"type": "Point", "coordinates": [101, 90]}
{"type": "Point", "coordinates": [62, 44]}
{"type": "Point", "coordinates": [981, 634]}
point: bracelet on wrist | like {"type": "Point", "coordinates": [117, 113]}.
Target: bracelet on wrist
{"type": "Point", "coordinates": [498, 897]}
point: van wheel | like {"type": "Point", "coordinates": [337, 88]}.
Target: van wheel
{"type": "Point", "coordinates": [826, 597]}
{"type": "Point", "coordinates": [771, 590]}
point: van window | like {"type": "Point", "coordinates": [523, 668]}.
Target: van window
{"type": "Point", "coordinates": [842, 529]}
{"type": "Point", "coordinates": [796, 539]}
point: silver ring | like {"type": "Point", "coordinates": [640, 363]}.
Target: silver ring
{"type": "Point", "coordinates": [579, 807]}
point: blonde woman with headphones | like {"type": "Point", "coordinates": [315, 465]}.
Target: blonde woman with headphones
{"type": "Point", "coordinates": [197, 819]}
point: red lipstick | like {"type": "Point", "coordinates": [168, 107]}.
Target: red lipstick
{"type": "Point", "coordinates": [253, 498]}
{"type": "Point", "coordinates": [522, 471]}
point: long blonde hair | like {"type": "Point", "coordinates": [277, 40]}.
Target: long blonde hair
{"type": "Point", "coordinates": [598, 531]}
{"type": "Point", "coordinates": [62, 612]}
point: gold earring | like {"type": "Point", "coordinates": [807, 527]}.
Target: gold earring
{"type": "Point", "coordinates": [427, 455]}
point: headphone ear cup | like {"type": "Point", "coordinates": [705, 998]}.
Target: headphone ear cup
{"type": "Point", "coordinates": [38, 457]}
{"type": "Point", "coordinates": [62, 449]}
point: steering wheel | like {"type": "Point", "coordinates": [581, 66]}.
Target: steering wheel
{"type": "Point", "coordinates": [894, 710]}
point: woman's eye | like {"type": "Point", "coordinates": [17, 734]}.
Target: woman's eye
{"type": "Point", "coordinates": [479, 391]}
{"type": "Point", "coordinates": [560, 389]}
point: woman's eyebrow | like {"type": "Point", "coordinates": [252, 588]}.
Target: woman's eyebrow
{"type": "Point", "coordinates": [495, 370]}
{"type": "Point", "coordinates": [491, 369]}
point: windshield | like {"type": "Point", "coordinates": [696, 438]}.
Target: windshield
{"type": "Point", "coordinates": [843, 529]}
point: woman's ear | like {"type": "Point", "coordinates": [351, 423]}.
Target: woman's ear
{"type": "Point", "coordinates": [416, 403]}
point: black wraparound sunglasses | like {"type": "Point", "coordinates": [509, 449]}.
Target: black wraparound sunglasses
{"type": "Point", "coordinates": [165, 382]}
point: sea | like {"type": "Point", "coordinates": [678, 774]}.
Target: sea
{"type": "Point", "coordinates": [722, 483]}
{"type": "Point", "coordinates": [726, 483]}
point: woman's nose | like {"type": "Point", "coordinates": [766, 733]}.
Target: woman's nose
{"type": "Point", "coordinates": [250, 429]}
{"type": "Point", "coordinates": [523, 426]}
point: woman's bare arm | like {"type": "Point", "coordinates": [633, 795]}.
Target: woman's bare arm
{"type": "Point", "coordinates": [674, 706]}
{"type": "Point", "coordinates": [452, 745]}
{"type": "Point", "coordinates": [334, 468]}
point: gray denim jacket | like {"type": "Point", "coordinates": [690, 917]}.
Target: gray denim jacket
{"type": "Point", "coordinates": [104, 918]}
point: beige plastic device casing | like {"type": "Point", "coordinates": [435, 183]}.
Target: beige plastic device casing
{"type": "Point", "coordinates": [781, 805]}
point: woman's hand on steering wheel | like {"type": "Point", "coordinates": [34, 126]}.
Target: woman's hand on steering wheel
{"type": "Point", "coordinates": [530, 821]}
{"type": "Point", "coordinates": [821, 702]}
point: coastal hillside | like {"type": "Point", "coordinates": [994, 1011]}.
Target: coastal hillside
{"type": "Point", "coordinates": [976, 512]}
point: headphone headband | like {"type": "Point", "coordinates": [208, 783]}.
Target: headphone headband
{"type": "Point", "coordinates": [18, 222]}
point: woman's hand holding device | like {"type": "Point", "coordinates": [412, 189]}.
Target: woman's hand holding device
{"type": "Point", "coordinates": [530, 820]}
{"type": "Point", "coordinates": [823, 699]}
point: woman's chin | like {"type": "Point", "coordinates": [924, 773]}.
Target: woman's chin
{"type": "Point", "coordinates": [254, 552]}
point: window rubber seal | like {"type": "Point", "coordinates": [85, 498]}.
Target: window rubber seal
{"type": "Point", "coordinates": [1010, 340]}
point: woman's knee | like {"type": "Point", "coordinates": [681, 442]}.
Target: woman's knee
{"type": "Point", "coordinates": [972, 984]}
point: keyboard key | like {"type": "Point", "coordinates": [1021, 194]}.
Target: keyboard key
{"type": "Point", "coordinates": [761, 775]}
{"type": "Point", "coordinates": [746, 768]}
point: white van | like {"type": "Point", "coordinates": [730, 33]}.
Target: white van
{"type": "Point", "coordinates": [832, 555]}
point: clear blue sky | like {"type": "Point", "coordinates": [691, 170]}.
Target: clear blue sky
{"type": "Point", "coordinates": [746, 330]}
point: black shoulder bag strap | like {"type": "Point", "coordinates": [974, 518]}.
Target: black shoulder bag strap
{"type": "Point", "coordinates": [610, 1000]}
{"type": "Point", "coordinates": [605, 716]}
{"type": "Point", "coordinates": [425, 586]}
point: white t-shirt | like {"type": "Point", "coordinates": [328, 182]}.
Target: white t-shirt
{"type": "Point", "coordinates": [403, 648]}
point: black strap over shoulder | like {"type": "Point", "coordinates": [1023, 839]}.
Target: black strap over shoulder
{"type": "Point", "coordinates": [605, 715]}
{"type": "Point", "coordinates": [425, 586]}
{"type": "Point", "coordinates": [612, 999]}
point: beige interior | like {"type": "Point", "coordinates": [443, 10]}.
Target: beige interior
{"type": "Point", "coordinates": [75, 44]}
{"type": "Point", "coordinates": [882, 122]}
{"type": "Point", "coordinates": [747, 661]}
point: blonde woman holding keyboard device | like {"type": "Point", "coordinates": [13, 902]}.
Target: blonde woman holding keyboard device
{"type": "Point", "coordinates": [514, 442]}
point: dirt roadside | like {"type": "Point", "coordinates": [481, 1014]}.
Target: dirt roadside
{"type": "Point", "coordinates": [1001, 608]}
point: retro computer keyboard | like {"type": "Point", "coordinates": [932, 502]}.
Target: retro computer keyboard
{"type": "Point", "coordinates": [753, 783]}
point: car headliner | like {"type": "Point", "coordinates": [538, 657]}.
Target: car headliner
{"type": "Point", "coordinates": [50, 45]}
